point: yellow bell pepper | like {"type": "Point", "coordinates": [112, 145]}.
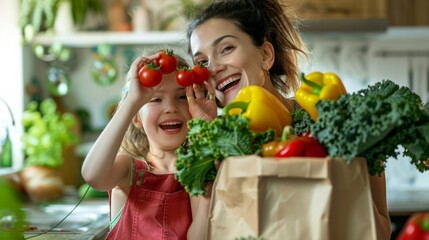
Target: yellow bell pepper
{"type": "Point", "coordinates": [317, 86]}
{"type": "Point", "coordinates": [264, 110]}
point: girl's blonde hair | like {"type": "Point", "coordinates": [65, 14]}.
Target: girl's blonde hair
{"type": "Point", "coordinates": [135, 142]}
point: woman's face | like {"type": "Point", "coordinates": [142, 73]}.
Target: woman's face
{"type": "Point", "coordinates": [164, 117]}
{"type": "Point", "coordinates": [234, 61]}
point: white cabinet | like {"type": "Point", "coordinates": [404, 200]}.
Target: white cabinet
{"type": "Point", "coordinates": [407, 63]}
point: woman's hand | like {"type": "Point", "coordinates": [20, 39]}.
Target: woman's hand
{"type": "Point", "coordinates": [202, 101]}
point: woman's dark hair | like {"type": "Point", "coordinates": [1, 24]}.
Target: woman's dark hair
{"type": "Point", "coordinates": [263, 21]}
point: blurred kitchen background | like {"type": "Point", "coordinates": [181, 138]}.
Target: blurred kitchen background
{"type": "Point", "coordinates": [81, 65]}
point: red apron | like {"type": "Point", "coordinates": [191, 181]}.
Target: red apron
{"type": "Point", "coordinates": [157, 208]}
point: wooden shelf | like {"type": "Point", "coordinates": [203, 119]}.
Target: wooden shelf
{"type": "Point", "coordinates": [91, 39]}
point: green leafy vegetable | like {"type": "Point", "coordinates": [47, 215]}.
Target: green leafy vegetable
{"type": "Point", "coordinates": [46, 133]}
{"type": "Point", "coordinates": [372, 123]}
{"type": "Point", "coordinates": [223, 137]}
{"type": "Point", "coordinates": [301, 121]}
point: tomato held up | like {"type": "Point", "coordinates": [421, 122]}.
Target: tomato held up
{"type": "Point", "coordinates": [201, 74]}
{"type": "Point", "coordinates": [150, 75]}
{"type": "Point", "coordinates": [166, 61]}
{"type": "Point", "coordinates": [184, 77]}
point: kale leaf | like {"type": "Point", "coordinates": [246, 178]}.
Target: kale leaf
{"type": "Point", "coordinates": [301, 121]}
{"type": "Point", "coordinates": [372, 123]}
{"type": "Point", "coordinates": [223, 137]}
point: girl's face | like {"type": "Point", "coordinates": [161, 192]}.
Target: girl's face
{"type": "Point", "coordinates": [234, 61]}
{"type": "Point", "coordinates": [164, 117]}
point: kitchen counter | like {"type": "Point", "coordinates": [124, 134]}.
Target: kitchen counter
{"type": "Point", "coordinates": [89, 220]}
{"type": "Point", "coordinates": [407, 201]}
{"type": "Point", "coordinates": [402, 203]}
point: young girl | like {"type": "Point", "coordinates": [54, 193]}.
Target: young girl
{"type": "Point", "coordinates": [134, 160]}
{"type": "Point", "coordinates": [253, 42]}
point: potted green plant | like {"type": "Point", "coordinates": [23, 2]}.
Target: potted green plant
{"type": "Point", "coordinates": [46, 133]}
{"type": "Point", "coordinates": [38, 16]}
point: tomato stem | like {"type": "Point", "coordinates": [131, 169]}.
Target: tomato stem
{"type": "Point", "coordinates": [153, 66]}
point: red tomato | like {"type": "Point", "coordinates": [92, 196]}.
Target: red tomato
{"type": "Point", "coordinates": [201, 74]}
{"type": "Point", "coordinates": [166, 61]}
{"type": "Point", "coordinates": [184, 77]}
{"type": "Point", "coordinates": [149, 76]}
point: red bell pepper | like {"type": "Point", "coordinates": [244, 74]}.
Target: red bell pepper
{"type": "Point", "coordinates": [304, 146]}
{"type": "Point", "coordinates": [416, 228]}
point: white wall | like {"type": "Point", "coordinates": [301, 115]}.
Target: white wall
{"type": "Point", "coordinates": [11, 82]}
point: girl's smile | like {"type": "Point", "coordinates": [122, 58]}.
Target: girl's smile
{"type": "Point", "coordinates": [171, 126]}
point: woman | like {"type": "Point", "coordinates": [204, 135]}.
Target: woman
{"type": "Point", "coordinates": [240, 50]}
{"type": "Point", "coordinates": [255, 43]}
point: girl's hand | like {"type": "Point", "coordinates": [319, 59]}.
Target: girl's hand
{"type": "Point", "coordinates": [202, 105]}
{"type": "Point", "coordinates": [138, 94]}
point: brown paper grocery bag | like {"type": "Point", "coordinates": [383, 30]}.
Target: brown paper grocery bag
{"type": "Point", "coordinates": [291, 198]}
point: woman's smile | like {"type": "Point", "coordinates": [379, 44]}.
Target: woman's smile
{"type": "Point", "coordinates": [225, 84]}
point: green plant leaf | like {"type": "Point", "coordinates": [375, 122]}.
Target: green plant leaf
{"type": "Point", "coordinates": [46, 133]}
